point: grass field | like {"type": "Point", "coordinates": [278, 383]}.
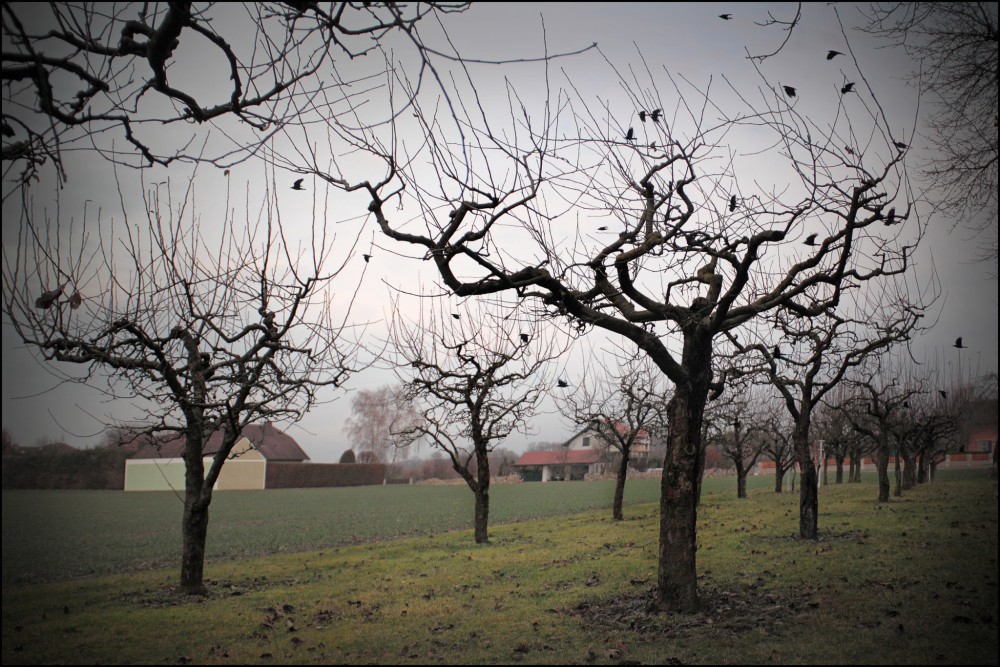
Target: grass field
{"type": "Point", "coordinates": [914, 581]}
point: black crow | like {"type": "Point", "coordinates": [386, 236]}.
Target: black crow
{"type": "Point", "coordinates": [562, 383]}
{"type": "Point", "coordinates": [47, 299]}
{"type": "Point", "coordinates": [732, 203]}
{"type": "Point", "coordinates": [726, 17]}
{"type": "Point", "coordinates": [848, 88]}
{"type": "Point", "coordinates": [789, 90]}
{"type": "Point", "coordinates": [831, 54]}
{"type": "Point", "coordinates": [958, 343]}
{"type": "Point", "coordinates": [630, 135]}
{"type": "Point", "coordinates": [900, 145]}
{"type": "Point", "coordinates": [811, 239]}
{"type": "Point", "coordinates": [298, 184]}
{"type": "Point", "coordinates": [655, 115]}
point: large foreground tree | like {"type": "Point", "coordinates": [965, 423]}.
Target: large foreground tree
{"type": "Point", "coordinates": [147, 83]}
{"type": "Point", "coordinates": [210, 329]}
{"type": "Point", "coordinates": [666, 237]}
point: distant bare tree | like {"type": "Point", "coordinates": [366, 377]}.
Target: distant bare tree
{"type": "Point", "coordinates": [778, 446]}
{"type": "Point", "coordinates": [880, 395]}
{"type": "Point", "coordinates": [811, 356]}
{"type": "Point", "coordinates": [375, 415]}
{"type": "Point", "coordinates": [475, 376]}
{"type": "Point", "coordinates": [623, 400]}
{"type": "Point", "coordinates": [210, 331]}
{"type": "Point", "coordinates": [740, 426]}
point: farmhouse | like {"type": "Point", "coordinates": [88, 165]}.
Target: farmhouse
{"type": "Point", "coordinates": [579, 456]}
{"type": "Point", "coordinates": [161, 467]}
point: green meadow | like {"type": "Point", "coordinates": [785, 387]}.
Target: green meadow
{"type": "Point", "coordinates": [391, 575]}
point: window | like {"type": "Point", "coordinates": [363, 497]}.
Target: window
{"type": "Point", "coordinates": [586, 441]}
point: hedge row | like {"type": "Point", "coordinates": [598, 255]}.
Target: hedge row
{"type": "Point", "coordinates": [288, 475]}
{"type": "Point", "coordinates": [84, 469]}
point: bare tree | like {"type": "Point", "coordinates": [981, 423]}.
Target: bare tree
{"type": "Point", "coordinates": [211, 331]}
{"type": "Point", "coordinates": [88, 74]}
{"type": "Point", "coordinates": [882, 390]}
{"type": "Point", "coordinates": [778, 446]}
{"type": "Point", "coordinates": [623, 401]}
{"type": "Point", "coordinates": [475, 377]}
{"type": "Point", "coordinates": [740, 426]}
{"type": "Point", "coordinates": [375, 415]}
{"type": "Point", "coordinates": [956, 44]}
{"type": "Point", "coordinates": [646, 237]}
{"type": "Point", "coordinates": [812, 355]}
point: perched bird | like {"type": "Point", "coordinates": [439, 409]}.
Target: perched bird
{"type": "Point", "coordinates": [848, 88]}
{"type": "Point", "coordinates": [524, 338]}
{"type": "Point", "coordinates": [456, 316]}
{"type": "Point", "coordinates": [630, 135]}
{"type": "Point", "coordinates": [831, 54]}
{"type": "Point", "coordinates": [777, 352]}
{"type": "Point", "coordinates": [811, 239]}
{"type": "Point", "coordinates": [562, 383]}
{"type": "Point", "coordinates": [642, 116]}
{"type": "Point", "coordinates": [891, 218]}
{"type": "Point", "coordinates": [958, 343]}
{"type": "Point", "coordinates": [732, 203]}
{"type": "Point", "coordinates": [906, 404]}
{"type": "Point", "coordinates": [900, 145]}
{"type": "Point", "coordinates": [47, 299]}
{"type": "Point", "coordinates": [655, 115]}
{"type": "Point", "coordinates": [366, 257]}
{"type": "Point", "coordinates": [297, 185]}
{"type": "Point", "coordinates": [76, 300]}
{"type": "Point", "coordinates": [850, 151]}
{"type": "Point", "coordinates": [944, 394]}
{"type": "Point", "coordinates": [652, 146]}
{"type": "Point", "coordinates": [789, 90]}
{"type": "Point", "coordinates": [726, 17]}
{"type": "Point", "coordinates": [602, 228]}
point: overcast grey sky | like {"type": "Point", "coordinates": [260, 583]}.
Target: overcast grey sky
{"type": "Point", "coordinates": [688, 39]}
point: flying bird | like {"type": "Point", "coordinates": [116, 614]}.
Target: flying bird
{"type": "Point", "coordinates": [891, 218]}
{"type": "Point", "coordinates": [732, 203]}
{"type": "Point", "coordinates": [298, 184]}
{"type": "Point", "coordinates": [603, 228]}
{"type": "Point", "coordinates": [47, 299]}
{"type": "Point", "coordinates": [726, 17]}
{"type": "Point", "coordinates": [366, 258]}
{"type": "Point", "coordinates": [831, 54]}
{"type": "Point", "coordinates": [811, 239]}
{"type": "Point", "coordinates": [655, 115]}
{"type": "Point", "coordinates": [789, 90]}
{"type": "Point", "coordinates": [642, 116]}
{"type": "Point", "coordinates": [943, 393]}
{"type": "Point", "coordinates": [848, 88]}
{"type": "Point", "coordinates": [562, 383]}
{"type": "Point", "coordinates": [456, 316]}
{"type": "Point", "coordinates": [630, 135]}
{"type": "Point", "coordinates": [524, 338]}
{"type": "Point", "coordinates": [958, 343]}
{"type": "Point", "coordinates": [900, 145]}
